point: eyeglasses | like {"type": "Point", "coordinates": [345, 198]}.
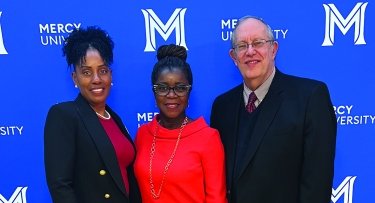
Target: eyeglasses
{"type": "Point", "coordinates": [256, 44]}
{"type": "Point", "coordinates": [179, 90]}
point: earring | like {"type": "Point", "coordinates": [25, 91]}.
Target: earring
{"type": "Point", "coordinates": [111, 83]}
{"type": "Point", "coordinates": [76, 86]}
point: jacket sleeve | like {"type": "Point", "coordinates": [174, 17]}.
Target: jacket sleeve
{"type": "Point", "coordinates": [214, 117]}
{"type": "Point", "coordinates": [319, 148]}
{"type": "Point", "coordinates": [214, 170]}
{"type": "Point", "coordinates": [59, 154]}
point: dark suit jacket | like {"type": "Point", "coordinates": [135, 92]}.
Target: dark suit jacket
{"type": "Point", "coordinates": [76, 149]}
{"type": "Point", "coordinates": [290, 158]}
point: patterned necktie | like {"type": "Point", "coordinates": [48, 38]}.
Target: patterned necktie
{"type": "Point", "coordinates": [250, 107]}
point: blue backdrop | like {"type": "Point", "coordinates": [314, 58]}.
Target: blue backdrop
{"type": "Point", "coordinates": [325, 40]}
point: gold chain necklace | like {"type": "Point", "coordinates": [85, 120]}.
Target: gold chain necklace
{"type": "Point", "coordinates": [152, 153]}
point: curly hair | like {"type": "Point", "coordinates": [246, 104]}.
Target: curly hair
{"type": "Point", "coordinates": [171, 57]}
{"type": "Point", "coordinates": [81, 40]}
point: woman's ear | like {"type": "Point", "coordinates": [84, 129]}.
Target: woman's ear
{"type": "Point", "coordinates": [74, 78]}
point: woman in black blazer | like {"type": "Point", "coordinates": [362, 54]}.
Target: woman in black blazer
{"type": "Point", "coordinates": [89, 153]}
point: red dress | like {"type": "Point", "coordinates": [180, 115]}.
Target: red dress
{"type": "Point", "coordinates": [197, 172]}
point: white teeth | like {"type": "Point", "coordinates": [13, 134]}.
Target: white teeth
{"type": "Point", "coordinates": [171, 105]}
{"type": "Point", "coordinates": [97, 90]}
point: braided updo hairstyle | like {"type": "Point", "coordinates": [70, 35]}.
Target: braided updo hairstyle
{"type": "Point", "coordinates": [81, 40]}
{"type": "Point", "coordinates": [171, 57]}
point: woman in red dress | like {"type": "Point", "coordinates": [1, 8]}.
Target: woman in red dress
{"type": "Point", "coordinates": [179, 159]}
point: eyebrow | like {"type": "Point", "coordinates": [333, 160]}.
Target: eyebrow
{"type": "Point", "coordinates": [252, 40]}
{"type": "Point", "coordinates": [166, 83]}
{"type": "Point", "coordinates": [100, 66]}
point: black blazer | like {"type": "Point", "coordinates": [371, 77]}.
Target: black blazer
{"type": "Point", "coordinates": [80, 161]}
{"type": "Point", "coordinates": [290, 158]}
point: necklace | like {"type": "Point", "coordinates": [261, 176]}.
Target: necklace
{"type": "Point", "coordinates": [104, 117]}
{"type": "Point", "coordinates": [152, 153]}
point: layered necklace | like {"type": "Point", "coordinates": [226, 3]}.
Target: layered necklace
{"type": "Point", "coordinates": [152, 153]}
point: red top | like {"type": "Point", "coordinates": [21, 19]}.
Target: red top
{"type": "Point", "coordinates": [124, 149]}
{"type": "Point", "coordinates": [197, 172]}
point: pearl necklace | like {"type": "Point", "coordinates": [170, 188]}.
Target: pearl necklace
{"type": "Point", "coordinates": [104, 117]}
{"type": "Point", "coordinates": [152, 153]}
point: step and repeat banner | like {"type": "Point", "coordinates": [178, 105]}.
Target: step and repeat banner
{"type": "Point", "coordinates": [331, 41]}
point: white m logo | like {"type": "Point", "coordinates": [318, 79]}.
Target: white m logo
{"type": "Point", "coordinates": [175, 22]}
{"type": "Point", "coordinates": [334, 17]}
{"type": "Point", "coordinates": [2, 48]}
{"type": "Point", "coordinates": [19, 196]}
{"type": "Point", "coordinates": [346, 188]}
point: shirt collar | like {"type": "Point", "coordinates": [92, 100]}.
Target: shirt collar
{"type": "Point", "coordinates": [261, 91]}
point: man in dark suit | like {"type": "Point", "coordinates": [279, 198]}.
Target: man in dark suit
{"type": "Point", "coordinates": [278, 131]}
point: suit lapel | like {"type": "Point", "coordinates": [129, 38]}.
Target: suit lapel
{"type": "Point", "coordinates": [270, 105]}
{"type": "Point", "coordinates": [100, 138]}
